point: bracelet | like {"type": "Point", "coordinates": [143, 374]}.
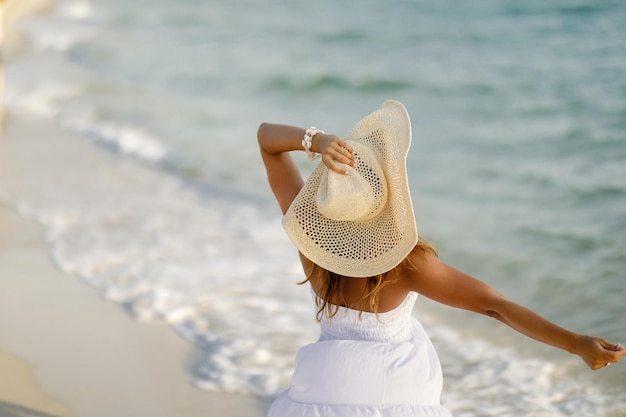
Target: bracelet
{"type": "Point", "coordinates": [308, 140]}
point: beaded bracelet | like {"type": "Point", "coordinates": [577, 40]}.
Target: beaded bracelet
{"type": "Point", "coordinates": [308, 140]}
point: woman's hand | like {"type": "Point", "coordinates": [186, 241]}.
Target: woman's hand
{"type": "Point", "coordinates": [333, 149]}
{"type": "Point", "coordinates": [598, 353]}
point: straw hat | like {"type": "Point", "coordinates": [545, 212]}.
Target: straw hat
{"type": "Point", "coordinates": [361, 224]}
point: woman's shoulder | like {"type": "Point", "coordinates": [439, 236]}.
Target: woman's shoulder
{"type": "Point", "coordinates": [419, 260]}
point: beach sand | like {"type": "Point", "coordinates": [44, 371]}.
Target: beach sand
{"type": "Point", "coordinates": [20, 395]}
{"type": "Point", "coordinates": [64, 351]}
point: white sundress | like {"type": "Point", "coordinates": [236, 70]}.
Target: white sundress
{"type": "Point", "coordinates": [375, 366]}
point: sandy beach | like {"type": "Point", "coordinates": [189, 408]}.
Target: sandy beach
{"type": "Point", "coordinates": [64, 351]}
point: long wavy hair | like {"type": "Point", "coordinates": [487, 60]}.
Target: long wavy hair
{"type": "Point", "coordinates": [330, 291]}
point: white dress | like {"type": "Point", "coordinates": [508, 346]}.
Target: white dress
{"type": "Point", "coordinates": [375, 366]}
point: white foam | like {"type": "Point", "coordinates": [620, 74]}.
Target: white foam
{"type": "Point", "coordinates": [62, 30]}
{"type": "Point", "coordinates": [125, 139]}
{"type": "Point", "coordinates": [79, 10]}
{"type": "Point", "coordinates": [40, 99]}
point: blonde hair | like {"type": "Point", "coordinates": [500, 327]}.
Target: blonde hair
{"type": "Point", "coordinates": [329, 295]}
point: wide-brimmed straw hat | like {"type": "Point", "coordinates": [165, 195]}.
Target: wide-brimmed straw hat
{"type": "Point", "coordinates": [361, 224]}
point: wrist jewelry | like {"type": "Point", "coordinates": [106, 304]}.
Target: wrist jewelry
{"type": "Point", "coordinates": [308, 140]}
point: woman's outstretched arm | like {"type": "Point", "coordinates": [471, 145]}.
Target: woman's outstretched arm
{"type": "Point", "coordinates": [440, 282]}
{"type": "Point", "coordinates": [276, 141]}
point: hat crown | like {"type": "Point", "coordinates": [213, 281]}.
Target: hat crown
{"type": "Point", "coordinates": [358, 196]}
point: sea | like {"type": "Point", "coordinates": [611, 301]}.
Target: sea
{"type": "Point", "coordinates": [140, 117]}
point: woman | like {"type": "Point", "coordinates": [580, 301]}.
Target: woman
{"type": "Point", "coordinates": [354, 227]}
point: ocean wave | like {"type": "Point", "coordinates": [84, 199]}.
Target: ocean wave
{"type": "Point", "coordinates": [541, 8]}
{"type": "Point", "coordinates": [120, 138]}
{"type": "Point", "coordinates": [510, 382]}
{"type": "Point", "coordinates": [45, 101]}
{"type": "Point", "coordinates": [345, 35]}
{"type": "Point", "coordinates": [324, 82]}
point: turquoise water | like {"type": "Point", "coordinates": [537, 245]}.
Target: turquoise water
{"type": "Point", "coordinates": [518, 171]}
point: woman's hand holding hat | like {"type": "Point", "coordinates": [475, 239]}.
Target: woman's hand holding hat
{"type": "Point", "coordinates": [334, 150]}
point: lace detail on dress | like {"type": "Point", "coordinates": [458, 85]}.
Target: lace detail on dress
{"type": "Point", "coordinates": [394, 326]}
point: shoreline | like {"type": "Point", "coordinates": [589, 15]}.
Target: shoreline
{"type": "Point", "coordinates": [76, 354]}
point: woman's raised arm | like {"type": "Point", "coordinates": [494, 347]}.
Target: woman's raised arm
{"type": "Point", "coordinates": [276, 141]}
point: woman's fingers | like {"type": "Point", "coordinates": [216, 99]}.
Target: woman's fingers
{"type": "Point", "coordinates": [617, 347]}
{"type": "Point", "coordinates": [606, 354]}
{"type": "Point", "coordinates": [333, 165]}
{"type": "Point", "coordinates": [618, 352]}
{"type": "Point", "coordinates": [338, 150]}
{"type": "Point", "coordinates": [343, 154]}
